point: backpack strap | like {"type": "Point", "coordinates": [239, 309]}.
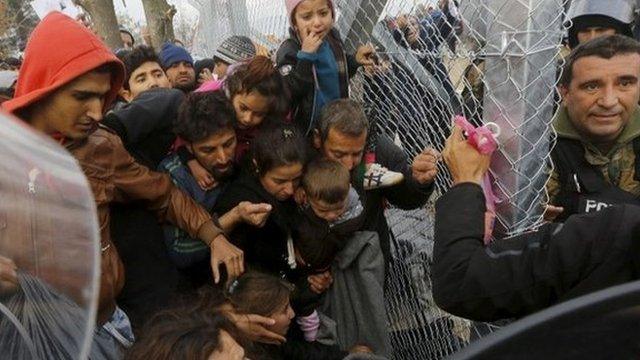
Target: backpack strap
{"type": "Point", "coordinates": [636, 152]}
{"type": "Point", "coordinates": [574, 172]}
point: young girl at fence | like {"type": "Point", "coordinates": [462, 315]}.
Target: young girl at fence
{"type": "Point", "coordinates": [317, 69]}
{"type": "Point", "coordinates": [269, 296]}
{"type": "Point", "coordinates": [259, 97]}
{"type": "Point", "coordinates": [277, 159]}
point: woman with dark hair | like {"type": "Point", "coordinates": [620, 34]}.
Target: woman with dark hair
{"type": "Point", "coordinates": [182, 334]}
{"type": "Point", "coordinates": [271, 175]}
{"type": "Point", "coordinates": [256, 293]}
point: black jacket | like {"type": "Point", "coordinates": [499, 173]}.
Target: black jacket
{"type": "Point", "coordinates": [145, 125]}
{"type": "Point", "coordinates": [517, 276]}
{"type": "Point", "coordinates": [299, 76]}
{"type": "Point", "coordinates": [583, 188]}
{"type": "Point", "coordinates": [265, 248]}
{"type": "Point", "coordinates": [296, 348]}
{"type": "Point", "coordinates": [309, 230]}
{"type": "Point", "coordinates": [407, 195]}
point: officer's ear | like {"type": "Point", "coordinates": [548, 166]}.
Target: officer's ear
{"type": "Point", "coordinates": [564, 91]}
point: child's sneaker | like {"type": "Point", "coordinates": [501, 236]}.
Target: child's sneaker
{"type": "Point", "coordinates": [377, 176]}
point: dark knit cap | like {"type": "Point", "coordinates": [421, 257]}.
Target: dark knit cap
{"type": "Point", "coordinates": [171, 54]}
{"type": "Point", "coordinates": [235, 49]}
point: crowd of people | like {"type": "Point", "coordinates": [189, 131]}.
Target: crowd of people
{"type": "Point", "coordinates": [241, 200]}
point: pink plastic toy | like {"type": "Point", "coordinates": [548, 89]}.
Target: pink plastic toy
{"type": "Point", "coordinates": [484, 139]}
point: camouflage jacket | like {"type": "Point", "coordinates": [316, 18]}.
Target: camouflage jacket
{"type": "Point", "coordinates": [617, 166]}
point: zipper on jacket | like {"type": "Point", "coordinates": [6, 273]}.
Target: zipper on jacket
{"type": "Point", "coordinates": [31, 187]}
{"type": "Point", "coordinates": [316, 88]}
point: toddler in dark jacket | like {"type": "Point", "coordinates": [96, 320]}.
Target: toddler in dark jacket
{"type": "Point", "coordinates": [331, 213]}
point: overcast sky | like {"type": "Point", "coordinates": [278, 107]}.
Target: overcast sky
{"type": "Point", "coordinates": [136, 12]}
{"type": "Point", "coordinates": [133, 7]}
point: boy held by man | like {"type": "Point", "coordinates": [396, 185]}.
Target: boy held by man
{"type": "Point", "coordinates": [331, 213]}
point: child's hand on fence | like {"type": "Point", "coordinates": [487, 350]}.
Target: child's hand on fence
{"type": "Point", "coordinates": [364, 55]}
{"type": "Point", "coordinates": [203, 177]}
{"type": "Point", "coordinates": [310, 41]}
{"type": "Point", "coordinates": [379, 68]}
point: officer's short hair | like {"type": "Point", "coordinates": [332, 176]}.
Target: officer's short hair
{"type": "Point", "coordinates": [604, 47]}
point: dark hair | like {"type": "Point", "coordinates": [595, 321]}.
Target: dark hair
{"type": "Point", "coordinates": [134, 58]}
{"type": "Point", "coordinates": [260, 75]}
{"type": "Point", "coordinates": [202, 114]}
{"type": "Point", "coordinates": [326, 180]}
{"type": "Point", "coordinates": [181, 334]}
{"type": "Point", "coordinates": [200, 65]}
{"type": "Point", "coordinates": [344, 115]}
{"type": "Point", "coordinates": [278, 145]}
{"type": "Point", "coordinates": [604, 47]}
{"type": "Point", "coordinates": [110, 68]}
{"type": "Point", "coordinates": [258, 293]}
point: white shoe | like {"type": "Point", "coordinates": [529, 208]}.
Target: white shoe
{"type": "Point", "coordinates": [377, 176]}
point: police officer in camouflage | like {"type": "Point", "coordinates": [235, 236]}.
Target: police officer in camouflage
{"type": "Point", "coordinates": [598, 129]}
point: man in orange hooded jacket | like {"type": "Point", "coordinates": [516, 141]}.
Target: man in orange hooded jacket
{"type": "Point", "coordinates": [68, 78]}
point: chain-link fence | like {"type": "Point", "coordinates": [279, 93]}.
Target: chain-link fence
{"type": "Point", "coordinates": [490, 60]}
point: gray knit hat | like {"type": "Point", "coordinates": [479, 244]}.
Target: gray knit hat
{"type": "Point", "coordinates": [235, 49]}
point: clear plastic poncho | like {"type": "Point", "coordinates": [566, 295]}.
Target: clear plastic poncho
{"type": "Point", "coordinates": [49, 229]}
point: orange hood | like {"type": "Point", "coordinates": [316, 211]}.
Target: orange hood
{"type": "Point", "coordinates": [60, 50]}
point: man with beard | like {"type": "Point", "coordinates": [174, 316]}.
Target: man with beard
{"type": "Point", "coordinates": [178, 65]}
{"type": "Point", "coordinates": [205, 122]}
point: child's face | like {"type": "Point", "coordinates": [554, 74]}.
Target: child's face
{"type": "Point", "coordinates": [326, 211]}
{"type": "Point", "coordinates": [251, 109]}
{"type": "Point", "coordinates": [313, 16]}
{"type": "Point", "coordinates": [282, 317]}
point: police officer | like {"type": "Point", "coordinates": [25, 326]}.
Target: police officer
{"type": "Point", "coordinates": [598, 128]}
{"type": "Point", "coordinates": [588, 19]}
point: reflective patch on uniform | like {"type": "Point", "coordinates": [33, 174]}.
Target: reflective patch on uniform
{"type": "Point", "coordinates": [285, 70]}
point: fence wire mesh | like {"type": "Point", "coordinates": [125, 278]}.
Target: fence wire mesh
{"type": "Point", "coordinates": [490, 60]}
